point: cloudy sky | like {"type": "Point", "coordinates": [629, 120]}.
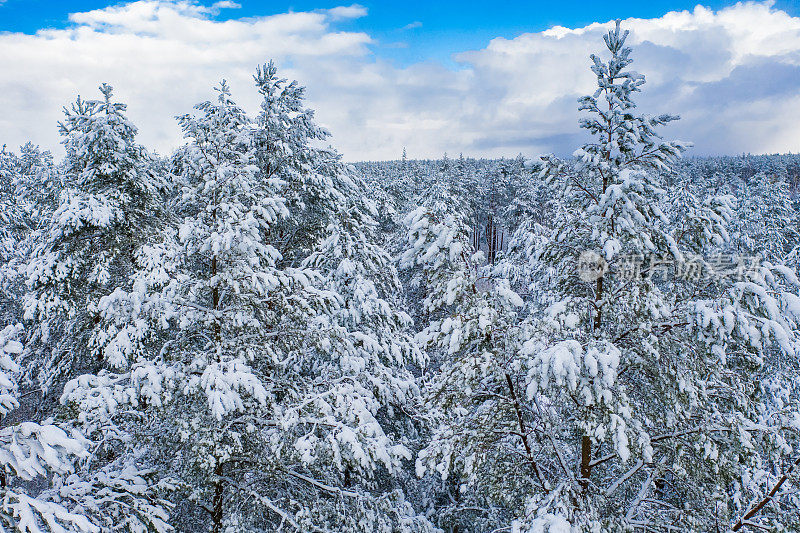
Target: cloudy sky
{"type": "Point", "coordinates": [477, 78]}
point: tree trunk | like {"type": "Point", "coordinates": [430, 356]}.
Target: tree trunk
{"type": "Point", "coordinates": [523, 433]}
{"type": "Point", "coordinates": [586, 459]}
{"type": "Point", "coordinates": [598, 297]}
{"type": "Point", "coordinates": [215, 298]}
{"type": "Point", "coordinates": [216, 514]}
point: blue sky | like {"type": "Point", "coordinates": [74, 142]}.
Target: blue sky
{"type": "Point", "coordinates": [485, 79]}
{"type": "Point", "coordinates": [409, 31]}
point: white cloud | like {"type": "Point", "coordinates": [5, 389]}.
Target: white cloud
{"type": "Point", "coordinates": [226, 4]}
{"type": "Point", "coordinates": [412, 25]}
{"type": "Point", "coordinates": [161, 57]}
{"type": "Point", "coordinates": [732, 74]}
{"type": "Point", "coordinates": [347, 12]}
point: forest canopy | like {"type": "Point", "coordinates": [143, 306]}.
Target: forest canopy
{"type": "Point", "coordinates": [251, 335]}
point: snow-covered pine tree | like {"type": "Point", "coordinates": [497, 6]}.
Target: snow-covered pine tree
{"type": "Point", "coordinates": [766, 219]}
{"type": "Point", "coordinates": [31, 451]}
{"type": "Point", "coordinates": [88, 248]}
{"type": "Point", "coordinates": [624, 355]}
{"type": "Point", "coordinates": [466, 315]}
{"type": "Point", "coordinates": [533, 211]}
{"type": "Point", "coordinates": [287, 147]}
{"type": "Point", "coordinates": [623, 399]}
{"type": "Point", "coordinates": [48, 481]}
{"type": "Point", "coordinates": [38, 185]}
{"type": "Point", "coordinates": [29, 188]}
{"type": "Point", "coordinates": [373, 347]}
{"type": "Point", "coordinates": [10, 237]}
{"type": "Point", "coordinates": [361, 338]}
{"type": "Point", "coordinates": [83, 252]}
{"type": "Point", "coordinates": [9, 215]}
{"type": "Point", "coordinates": [262, 392]}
